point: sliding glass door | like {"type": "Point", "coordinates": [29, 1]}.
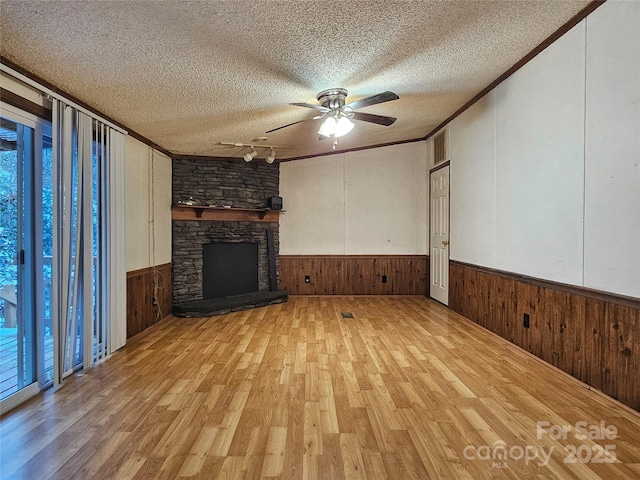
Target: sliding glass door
{"type": "Point", "coordinates": [26, 346]}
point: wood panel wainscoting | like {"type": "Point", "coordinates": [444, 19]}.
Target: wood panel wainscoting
{"type": "Point", "coordinates": [594, 336]}
{"type": "Point", "coordinates": [354, 274]}
{"type": "Point", "coordinates": [141, 311]}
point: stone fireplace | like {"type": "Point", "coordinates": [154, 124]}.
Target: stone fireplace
{"type": "Point", "coordinates": [189, 239]}
{"type": "Point", "coordinates": [231, 187]}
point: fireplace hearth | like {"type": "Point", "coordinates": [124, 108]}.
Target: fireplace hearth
{"type": "Point", "coordinates": [221, 305]}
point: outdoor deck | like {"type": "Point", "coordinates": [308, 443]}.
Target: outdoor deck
{"type": "Point", "coordinates": [9, 359]}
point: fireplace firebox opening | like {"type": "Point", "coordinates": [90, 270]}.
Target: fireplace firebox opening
{"type": "Point", "coordinates": [229, 269]}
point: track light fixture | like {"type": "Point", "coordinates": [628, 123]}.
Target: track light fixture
{"type": "Point", "coordinates": [251, 154]}
{"type": "Point", "coordinates": [271, 157]}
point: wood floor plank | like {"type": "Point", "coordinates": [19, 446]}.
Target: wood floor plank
{"type": "Point", "coordinates": [199, 452]}
{"type": "Point", "coordinates": [352, 456]}
{"type": "Point", "coordinates": [274, 457]}
{"type": "Point", "coordinates": [406, 389]}
{"type": "Point", "coordinates": [312, 429]}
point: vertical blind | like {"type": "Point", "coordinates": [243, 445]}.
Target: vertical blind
{"type": "Point", "coordinates": [88, 241]}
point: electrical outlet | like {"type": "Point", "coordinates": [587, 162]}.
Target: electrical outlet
{"type": "Point", "coordinates": [307, 279]}
{"type": "Point", "coordinates": [526, 320]}
{"type": "Point", "coordinates": [384, 279]}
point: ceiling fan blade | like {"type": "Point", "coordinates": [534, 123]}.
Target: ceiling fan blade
{"type": "Point", "coordinates": [372, 100]}
{"type": "Point", "coordinates": [294, 123]}
{"type": "Point", "coordinates": [311, 105]}
{"type": "Point", "coordinates": [371, 118]}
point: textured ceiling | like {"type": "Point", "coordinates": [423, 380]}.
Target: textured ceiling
{"type": "Point", "coordinates": [190, 74]}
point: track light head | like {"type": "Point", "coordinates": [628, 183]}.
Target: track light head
{"type": "Point", "coordinates": [271, 157]}
{"type": "Point", "coordinates": [250, 155]}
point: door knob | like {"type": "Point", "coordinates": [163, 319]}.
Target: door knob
{"type": "Point", "coordinates": [445, 242]}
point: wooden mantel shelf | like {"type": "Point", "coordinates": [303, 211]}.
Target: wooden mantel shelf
{"type": "Point", "coordinates": [222, 214]}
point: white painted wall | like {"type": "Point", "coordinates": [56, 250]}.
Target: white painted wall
{"type": "Point", "coordinates": [539, 156]}
{"type": "Point", "coordinates": [366, 202]}
{"type": "Point", "coordinates": [547, 165]}
{"type": "Point", "coordinates": [472, 198]}
{"type": "Point", "coordinates": [312, 192]}
{"type": "Point", "coordinates": [388, 216]}
{"type": "Point", "coordinates": [138, 178]}
{"type": "Point", "coordinates": [612, 161]}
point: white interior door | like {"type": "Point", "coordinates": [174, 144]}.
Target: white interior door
{"type": "Point", "coordinates": [439, 240]}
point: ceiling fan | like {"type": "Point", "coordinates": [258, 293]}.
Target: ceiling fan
{"type": "Point", "coordinates": [338, 114]}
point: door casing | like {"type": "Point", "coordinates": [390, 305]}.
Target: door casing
{"type": "Point", "coordinates": [439, 191]}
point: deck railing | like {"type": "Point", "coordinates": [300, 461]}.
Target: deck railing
{"type": "Point", "coordinates": [9, 346]}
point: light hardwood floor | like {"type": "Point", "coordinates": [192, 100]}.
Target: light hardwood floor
{"type": "Point", "coordinates": [405, 390]}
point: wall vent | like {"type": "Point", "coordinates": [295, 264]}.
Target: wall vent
{"type": "Point", "coordinates": [440, 147]}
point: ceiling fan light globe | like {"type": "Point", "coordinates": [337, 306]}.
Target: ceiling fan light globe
{"type": "Point", "coordinates": [328, 127]}
{"type": "Point", "coordinates": [343, 126]}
